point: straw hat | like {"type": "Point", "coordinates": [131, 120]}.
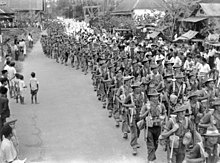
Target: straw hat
{"type": "Point", "coordinates": [154, 93]}
{"type": "Point", "coordinates": [194, 94]}
{"type": "Point", "coordinates": [126, 78]}
{"type": "Point", "coordinates": [209, 80]}
{"type": "Point", "coordinates": [181, 108]}
{"type": "Point", "coordinates": [10, 120]}
{"type": "Point", "coordinates": [136, 85]}
{"type": "Point", "coordinates": [178, 76]}
{"type": "Point", "coordinates": [216, 103]}
{"type": "Point", "coordinates": [212, 131]}
{"type": "Point", "coordinates": [153, 66]}
{"type": "Point", "coordinates": [145, 60]}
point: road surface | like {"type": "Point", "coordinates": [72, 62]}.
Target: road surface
{"type": "Point", "coordinates": [69, 125]}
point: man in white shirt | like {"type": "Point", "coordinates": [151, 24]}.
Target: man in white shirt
{"type": "Point", "coordinates": [205, 68]}
{"type": "Point", "coordinates": [11, 76]}
{"type": "Point", "coordinates": [189, 63]}
{"type": "Point", "coordinates": [217, 65]}
{"type": "Point", "coordinates": [198, 64]}
{"type": "Point", "coordinates": [175, 59]}
{"type": "Point", "coordinates": [7, 66]}
{"type": "Point", "coordinates": [8, 150]}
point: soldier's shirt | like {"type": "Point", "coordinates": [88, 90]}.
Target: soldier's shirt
{"type": "Point", "coordinates": [156, 109]}
{"type": "Point", "coordinates": [208, 118]}
{"type": "Point", "coordinates": [183, 127]}
{"type": "Point", "coordinates": [212, 156]}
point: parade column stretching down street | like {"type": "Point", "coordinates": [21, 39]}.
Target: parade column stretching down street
{"type": "Point", "coordinates": [69, 125]}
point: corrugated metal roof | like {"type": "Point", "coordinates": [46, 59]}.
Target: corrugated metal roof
{"type": "Point", "coordinates": [151, 5]}
{"type": "Point", "coordinates": [187, 36]}
{"type": "Point", "coordinates": [6, 10]}
{"type": "Point", "coordinates": [21, 5]}
{"type": "Point", "coordinates": [209, 1]}
{"type": "Point", "coordinates": [129, 5]}
{"type": "Point", "coordinates": [211, 9]}
{"type": "Point", "coordinates": [126, 5]}
{"type": "Point", "coordinates": [154, 34]}
{"type": "Point", "coordinates": [193, 19]}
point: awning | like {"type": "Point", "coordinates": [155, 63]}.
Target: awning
{"type": "Point", "coordinates": [187, 36]}
{"type": "Point", "coordinates": [5, 17]}
{"type": "Point", "coordinates": [6, 10]}
{"type": "Point", "coordinates": [197, 40]}
{"type": "Point", "coordinates": [119, 29]}
{"type": "Point", "coordinates": [154, 34]}
{"type": "Point", "coordinates": [213, 44]}
{"type": "Point", "coordinates": [193, 19]}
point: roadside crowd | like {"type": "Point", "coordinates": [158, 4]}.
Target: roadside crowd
{"type": "Point", "coordinates": [12, 86]}
{"type": "Point", "coordinates": [168, 91]}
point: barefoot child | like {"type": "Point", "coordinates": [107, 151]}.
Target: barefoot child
{"type": "Point", "coordinates": [22, 87]}
{"type": "Point", "coordinates": [34, 87]}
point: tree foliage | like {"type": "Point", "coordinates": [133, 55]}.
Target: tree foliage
{"type": "Point", "coordinates": [177, 9]}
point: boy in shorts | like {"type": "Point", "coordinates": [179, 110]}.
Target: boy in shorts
{"type": "Point", "coordinates": [34, 87]}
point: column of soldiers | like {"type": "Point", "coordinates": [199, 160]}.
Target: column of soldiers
{"type": "Point", "coordinates": [147, 88]}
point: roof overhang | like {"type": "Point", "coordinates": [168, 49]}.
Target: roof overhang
{"type": "Point", "coordinates": [187, 36]}
{"type": "Point", "coordinates": [193, 19]}
{"type": "Point", "coordinates": [128, 13]}
{"type": "Point", "coordinates": [211, 9]}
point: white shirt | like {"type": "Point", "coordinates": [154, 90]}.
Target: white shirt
{"type": "Point", "coordinates": [29, 38]}
{"type": "Point", "coordinates": [204, 68]}
{"type": "Point", "coordinates": [33, 83]}
{"type": "Point", "coordinates": [188, 65]}
{"type": "Point", "coordinates": [198, 66]}
{"type": "Point", "coordinates": [15, 47]}
{"type": "Point", "coordinates": [7, 67]}
{"type": "Point", "coordinates": [11, 72]}
{"type": "Point", "coordinates": [217, 63]}
{"type": "Point", "coordinates": [8, 150]}
{"type": "Point", "coordinates": [176, 60]}
{"type": "Point", "coordinates": [211, 53]}
{"type": "Point", "coordinates": [21, 85]}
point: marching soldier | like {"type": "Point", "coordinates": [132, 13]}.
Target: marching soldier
{"type": "Point", "coordinates": [134, 101]}
{"type": "Point", "coordinates": [153, 113]}
{"type": "Point", "coordinates": [121, 95]}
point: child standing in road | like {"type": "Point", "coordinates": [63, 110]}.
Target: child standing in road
{"type": "Point", "coordinates": [22, 87]}
{"type": "Point", "coordinates": [34, 86]}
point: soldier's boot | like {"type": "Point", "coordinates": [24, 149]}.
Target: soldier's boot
{"type": "Point", "coordinates": [125, 135]}
{"type": "Point", "coordinates": [20, 100]}
{"type": "Point", "coordinates": [138, 145]}
{"type": "Point", "coordinates": [117, 124]}
{"type": "Point", "coordinates": [16, 99]}
{"type": "Point", "coordinates": [134, 152]}
{"type": "Point", "coordinates": [110, 114]}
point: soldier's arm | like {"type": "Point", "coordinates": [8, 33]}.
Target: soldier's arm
{"type": "Point", "coordinates": [195, 156]}
{"type": "Point", "coordinates": [128, 102]}
{"type": "Point", "coordinates": [144, 112]}
{"type": "Point", "coordinates": [118, 93]}
{"type": "Point", "coordinates": [167, 129]}
{"type": "Point", "coordinates": [205, 121]}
